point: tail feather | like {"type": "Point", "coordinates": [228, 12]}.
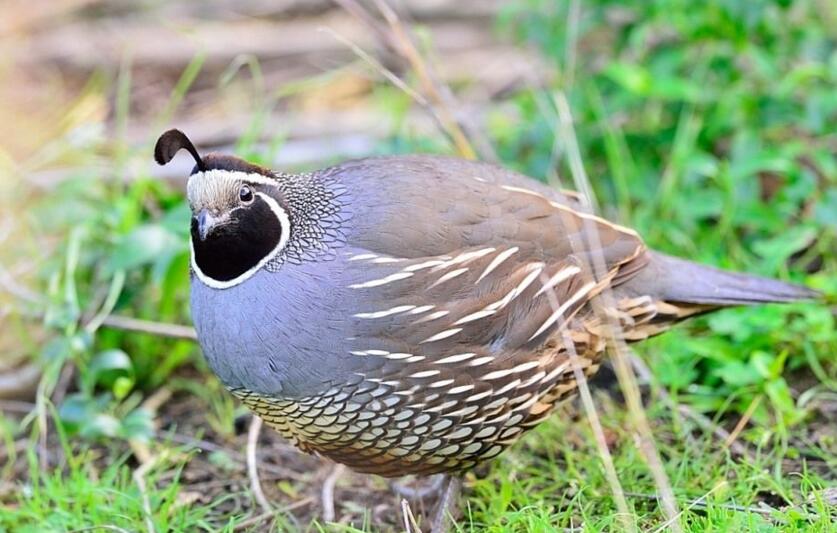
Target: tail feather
{"type": "Point", "coordinates": [671, 279]}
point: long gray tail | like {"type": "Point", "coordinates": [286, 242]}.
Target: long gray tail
{"type": "Point", "coordinates": [671, 279]}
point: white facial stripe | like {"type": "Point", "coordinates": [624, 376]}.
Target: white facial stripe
{"type": "Point", "coordinates": [284, 223]}
{"type": "Point", "coordinates": [217, 176]}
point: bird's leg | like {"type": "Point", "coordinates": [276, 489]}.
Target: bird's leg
{"type": "Point", "coordinates": [328, 492]}
{"type": "Point", "coordinates": [420, 493]}
{"type": "Point", "coordinates": [447, 504]}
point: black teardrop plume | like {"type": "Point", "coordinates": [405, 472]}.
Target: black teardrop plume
{"type": "Point", "coordinates": [170, 143]}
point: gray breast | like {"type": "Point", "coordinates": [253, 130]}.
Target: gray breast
{"type": "Point", "coordinates": [278, 333]}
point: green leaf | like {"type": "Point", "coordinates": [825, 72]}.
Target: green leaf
{"type": "Point", "coordinates": [781, 398]}
{"type": "Point", "coordinates": [113, 369]}
{"type": "Point", "coordinates": [57, 349]}
{"type": "Point", "coordinates": [143, 246]}
{"type": "Point", "coordinates": [632, 77]}
{"type": "Point", "coordinates": [764, 364]}
{"type": "Point", "coordinates": [110, 360]}
{"type": "Point", "coordinates": [826, 210]}
{"type": "Point", "coordinates": [101, 425]}
{"type": "Point", "coordinates": [739, 374]}
{"type": "Point", "coordinates": [74, 411]}
{"type": "Point", "coordinates": [122, 386]}
{"type": "Point", "coordinates": [176, 220]}
{"type": "Point", "coordinates": [776, 250]}
{"type": "Point", "coordinates": [137, 425]}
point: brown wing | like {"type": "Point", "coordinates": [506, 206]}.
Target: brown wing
{"type": "Point", "coordinates": [425, 206]}
{"type": "Point", "coordinates": [459, 299]}
{"type": "Point", "coordinates": [483, 231]}
{"type": "Point", "coordinates": [472, 245]}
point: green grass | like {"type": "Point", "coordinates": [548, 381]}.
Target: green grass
{"type": "Point", "coordinates": [556, 478]}
{"type": "Point", "coordinates": [98, 488]}
{"type": "Point", "coordinates": [709, 127]}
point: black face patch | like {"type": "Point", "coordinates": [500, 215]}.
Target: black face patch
{"type": "Point", "coordinates": [236, 246]}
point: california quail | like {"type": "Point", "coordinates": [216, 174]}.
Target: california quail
{"type": "Point", "coordinates": [406, 315]}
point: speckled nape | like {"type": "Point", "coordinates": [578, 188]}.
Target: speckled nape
{"type": "Point", "coordinates": [319, 209]}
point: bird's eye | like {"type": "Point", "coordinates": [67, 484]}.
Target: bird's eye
{"type": "Point", "coordinates": [245, 194]}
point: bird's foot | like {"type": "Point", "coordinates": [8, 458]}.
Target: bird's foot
{"type": "Point", "coordinates": [448, 504]}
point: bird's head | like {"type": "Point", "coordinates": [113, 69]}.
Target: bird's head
{"type": "Point", "coordinates": [239, 217]}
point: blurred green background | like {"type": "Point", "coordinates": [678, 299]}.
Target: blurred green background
{"type": "Point", "coordinates": [709, 127]}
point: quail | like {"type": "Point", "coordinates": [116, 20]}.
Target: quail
{"type": "Point", "coordinates": [417, 314]}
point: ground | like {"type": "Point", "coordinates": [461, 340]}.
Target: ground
{"type": "Point", "coordinates": [709, 128]}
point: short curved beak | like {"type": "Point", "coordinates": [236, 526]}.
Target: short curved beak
{"type": "Point", "coordinates": [206, 223]}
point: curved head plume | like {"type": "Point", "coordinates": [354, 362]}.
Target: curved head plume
{"type": "Point", "coordinates": [172, 142]}
{"type": "Point", "coordinates": [240, 219]}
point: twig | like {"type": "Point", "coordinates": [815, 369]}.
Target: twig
{"type": "Point", "coordinates": [328, 492]}
{"type": "Point", "coordinates": [7, 224]}
{"type": "Point", "coordinates": [410, 525]}
{"type": "Point", "coordinates": [615, 344]}
{"type": "Point", "coordinates": [138, 325]}
{"type": "Point", "coordinates": [737, 508]}
{"type": "Point", "coordinates": [572, 41]}
{"type": "Point", "coordinates": [252, 467]}
{"type": "Point", "coordinates": [139, 479]}
{"type": "Point", "coordinates": [642, 370]}
{"type": "Point", "coordinates": [162, 329]}
{"type": "Point", "coordinates": [360, 12]}
{"type": "Point", "coordinates": [764, 510]}
{"type": "Point", "coordinates": [595, 424]}
{"type": "Point", "coordinates": [64, 380]}
{"type": "Point", "coordinates": [387, 73]}
{"type": "Point", "coordinates": [42, 396]}
{"type": "Point", "coordinates": [434, 99]}
{"type": "Point", "coordinates": [254, 520]}
{"type": "Point", "coordinates": [153, 403]}
{"type": "Point", "coordinates": [567, 134]}
{"type": "Point", "coordinates": [14, 406]}
{"type": "Point", "coordinates": [394, 79]}
{"type": "Point", "coordinates": [739, 427]}
{"type": "Point", "coordinates": [590, 408]}
{"type": "Point", "coordinates": [408, 49]}
{"type": "Point", "coordinates": [7, 279]}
